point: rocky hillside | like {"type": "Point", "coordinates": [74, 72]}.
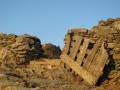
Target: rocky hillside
{"type": "Point", "coordinates": [26, 64]}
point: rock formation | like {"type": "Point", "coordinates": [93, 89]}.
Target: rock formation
{"type": "Point", "coordinates": [50, 74]}
{"type": "Point", "coordinates": [19, 49]}
{"type": "Point", "coordinates": [109, 32]}
{"type": "Point", "coordinates": [51, 51]}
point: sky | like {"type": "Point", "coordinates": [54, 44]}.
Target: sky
{"type": "Point", "coordinates": [49, 20]}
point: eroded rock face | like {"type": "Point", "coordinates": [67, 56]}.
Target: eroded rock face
{"type": "Point", "coordinates": [19, 49]}
{"type": "Point", "coordinates": [51, 51]}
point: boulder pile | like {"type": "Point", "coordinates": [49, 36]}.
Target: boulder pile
{"type": "Point", "coordinates": [19, 49]}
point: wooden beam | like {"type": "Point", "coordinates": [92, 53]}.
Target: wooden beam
{"type": "Point", "coordinates": [101, 61]}
{"type": "Point", "coordinates": [78, 69]}
{"type": "Point", "coordinates": [74, 37]}
{"type": "Point", "coordinates": [76, 47]}
{"type": "Point", "coordinates": [98, 64]}
{"type": "Point", "coordinates": [92, 54]}
{"type": "Point", "coordinates": [82, 53]}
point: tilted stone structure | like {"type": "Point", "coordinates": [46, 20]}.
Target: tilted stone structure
{"type": "Point", "coordinates": [108, 32]}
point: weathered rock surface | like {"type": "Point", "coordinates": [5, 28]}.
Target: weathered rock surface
{"type": "Point", "coordinates": [19, 49]}
{"type": "Point", "coordinates": [51, 51]}
{"type": "Point", "coordinates": [108, 31]}
{"type": "Point", "coordinates": [41, 75]}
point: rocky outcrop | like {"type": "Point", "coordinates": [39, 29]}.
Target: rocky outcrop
{"type": "Point", "coordinates": [51, 51]}
{"type": "Point", "coordinates": [109, 32]}
{"type": "Point", "coordinates": [19, 49]}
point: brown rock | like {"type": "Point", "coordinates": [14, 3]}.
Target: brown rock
{"type": "Point", "coordinates": [116, 56]}
{"type": "Point", "coordinates": [7, 57]}
{"type": "Point", "coordinates": [51, 51]}
{"type": "Point", "coordinates": [24, 47]}
{"type": "Point", "coordinates": [111, 45]}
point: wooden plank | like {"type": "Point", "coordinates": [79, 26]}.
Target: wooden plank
{"type": "Point", "coordinates": [75, 37]}
{"type": "Point", "coordinates": [82, 52]}
{"type": "Point", "coordinates": [98, 64]}
{"type": "Point", "coordinates": [92, 67]}
{"type": "Point", "coordinates": [92, 54]}
{"type": "Point", "coordinates": [74, 50]}
{"type": "Point", "coordinates": [67, 46]}
{"type": "Point", "coordinates": [72, 43]}
{"type": "Point", "coordinates": [76, 47]}
{"type": "Point", "coordinates": [101, 61]}
{"type": "Point", "coordinates": [72, 46]}
{"type": "Point", "coordinates": [78, 69]}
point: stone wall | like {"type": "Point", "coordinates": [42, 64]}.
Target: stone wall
{"type": "Point", "coordinates": [19, 49]}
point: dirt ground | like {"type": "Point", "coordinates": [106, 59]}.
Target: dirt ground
{"type": "Point", "coordinates": [44, 75]}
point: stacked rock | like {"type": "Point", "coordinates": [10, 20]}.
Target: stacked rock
{"type": "Point", "coordinates": [23, 48]}
{"type": "Point", "coordinates": [109, 31]}
{"type": "Point", "coordinates": [26, 47]}
{"type": "Point", "coordinates": [6, 40]}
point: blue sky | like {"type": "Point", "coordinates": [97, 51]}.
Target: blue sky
{"type": "Point", "coordinates": [49, 20]}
